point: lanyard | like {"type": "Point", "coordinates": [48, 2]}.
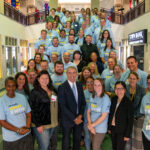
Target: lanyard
{"type": "Point", "coordinates": [133, 93]}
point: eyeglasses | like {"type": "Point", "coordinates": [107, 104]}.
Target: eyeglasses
{"type": "Point", "coordinates": [66, 56]}
{"type": "Point", "coordinates": [148, 82]}
{"type": "Point", "coordinates": [89, 82]}
{"type": "Point", "coordinates": [132, 79]}
{"type": "Point", "coordinates": [119, 89]}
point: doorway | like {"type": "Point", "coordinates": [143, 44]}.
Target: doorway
{"type": "Point", "coordinates": [139, 54]}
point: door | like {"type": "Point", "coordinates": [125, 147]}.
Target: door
{"type": "Point", "coordinates": [139, 54]}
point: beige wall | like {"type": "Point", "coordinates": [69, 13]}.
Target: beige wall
{"type": "Point", "coordinates": [53, 3]}
{"type": "Point", "coordinates": [95, 4]}
{"type": "Point", "coordinates": [2, 6]}
{"type": "Point", "coordinates": [136, 25]}
{"type": "Point", "coordinates": [11, 28]}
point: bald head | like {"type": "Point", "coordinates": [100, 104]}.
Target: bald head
{"type": "Point", "coordinates": [66, 57]}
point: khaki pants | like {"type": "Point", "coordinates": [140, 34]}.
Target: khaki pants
{"type": "Point", "coordinates": [97, 140]}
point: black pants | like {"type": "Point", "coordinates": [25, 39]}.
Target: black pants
{"type": "Point", "coordinates": [24, 143]}
{"type": "Point", "coordinates": [146, 143]}
{"type": "Point", "coordinates": [77, 129]}
{"type": "Point", "coordinates": [118, 142]}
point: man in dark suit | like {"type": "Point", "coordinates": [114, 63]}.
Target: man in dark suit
{"type": "Point", "coordinates": [87, 48]}
{"type": "Point", "coordinates": [72, 104]}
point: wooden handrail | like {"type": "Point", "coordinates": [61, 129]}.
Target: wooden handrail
{"type": "Point", "coordinates": [35, 17]}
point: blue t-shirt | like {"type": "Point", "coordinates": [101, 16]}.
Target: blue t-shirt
{"type": "Point", "coordinates": [97, 106]}
{"type": "Point", "coordinates": [110, 83]}
{"type": "Point", "coordinates": [71, 48]}
{"type": "Point", "coordinates": [65, 19]}
{"type": "Point", "coordinates": [118, 63]}
{"type": "Point", "coordinates": [51, 68]}
{"type": "Point", "coordinates": [13, 110]}
{"type": "Point", "coordinates": [80, 41]}
{"type": "Point", "coordinates": [105, 53]}
{"type": "Point", "coordinates": [87, 95]}
{"type": "Point", "coordinates": [51, 34]}
{"type": "Point", "coordinates": [63, 41]}
{"type": "Point", "coordinates": [142, 75]}
{"type": "Point", "coordinates": [58, 80]}
{"type": "Point", "coordinates": [46, 43]}
{"type": "Point", "coordinates": [106, 74]}
{"type": "Point", "coordinates": [68, 65]}
{"type": "Point", "coordinates": [55, 50]}
{"type": "Point", "coordinates": [145, 109]}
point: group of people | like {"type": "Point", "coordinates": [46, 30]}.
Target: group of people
{"type": "Point", "coordinates": [75, 83]}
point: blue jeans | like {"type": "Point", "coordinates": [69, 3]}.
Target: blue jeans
{"type": "Point", "coordinates": [87, 139]}
{"type": "Point", "coordinates": [43, 138]}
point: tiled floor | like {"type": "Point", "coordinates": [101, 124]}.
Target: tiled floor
{"type": "Point", "coordinates": [105, 146]}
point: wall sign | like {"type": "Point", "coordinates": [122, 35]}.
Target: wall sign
{"type": "Point", "coordinates": [139, 37]}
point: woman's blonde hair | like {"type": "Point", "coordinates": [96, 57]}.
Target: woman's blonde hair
{"type": "Point", "coordinates": [96, 69]}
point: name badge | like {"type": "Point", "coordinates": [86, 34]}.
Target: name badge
{"type": "Point", "coordinates": [53, 98]}
{"type": "Point", "coordinates": [58, 83]}
{"type": "Point", "coordinates": [55, 53]}
{"type": "Point", "coordinates": [94, 106]}
{"type": "Point", "coordinates": [108, 77]}
{"type": "Point", "coordinates": [71, 50]}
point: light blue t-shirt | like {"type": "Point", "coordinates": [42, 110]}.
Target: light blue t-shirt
{"type": "Point", "coordinates": [118, 63]}
{"type": "Point", "coordinates": [95, 76]}
{"type": "Point", "coordinates": [67, 31]}
{"type": "Point", "coordinates": [68, 65]}
{"type": "Point", "coordinates": [98, 32]}
{"type": "Point", "coordinates": [87, 95]}
{"type": "Point", "coordinates": [51, 68]}
{"type": "Point", "coordinates": [80, 41]}
{"type": "Point", "coordinates": [97, 23]}
{"type": "Point", "coordinates": [142, 75]}
{"type": "Point", "coordinates": [71, 48]}
{"type": "Point", "coordinates": [145, 109]}
{"type": "Point", "coordinates": [60, 14]}
{"type": "Point", "coordinates": [51, 34]}
{"type": "Point", "coordinates": [81, 21]}
{"type": "Point", "coordinates": [101, 45]}
{"type": "Point", "coordinates": [110, 83]}
{"type": "Point", "coordinates": [58, 80]}
{"type": "Point", "coordinates": [45, 43]}
{"type": "Point", "coordinates": [105, 53]}
{"type": "Point", "coordinates": [45, 57]}
{"type": "Point", "coordinates": [106, 74]}
{"type": "Point", "coordinates": [63, 41]}
{"type": "Point", "coordinates": [13, 110]}
{"type": "Point", "coordinates": [65, 19]}
{"type": "Point", "coordinates": [97, 106]}
{"type": "Point", "coordinates": [55, 50]}
{"type": "Point", "coordinates": [94, 18]}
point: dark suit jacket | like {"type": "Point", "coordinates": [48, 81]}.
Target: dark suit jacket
{"type": "Point", "coordinates": [140, 92]}
{"type": "Point", "coordinates": [68, 103]}
{"type": "Point", "coordinates": [123, 117]}
{"type": "Point", "coordinates": [87, 50]}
